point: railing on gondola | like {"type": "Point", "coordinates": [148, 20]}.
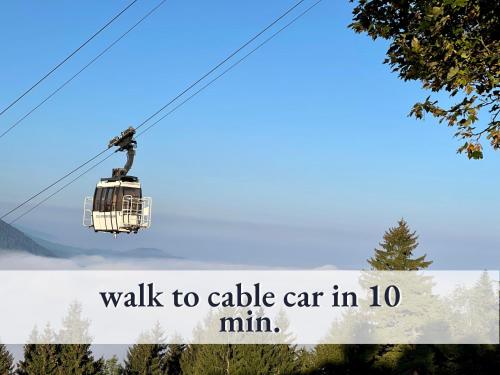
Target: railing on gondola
{"type": "Point", "coordinates": [88, 204]}
{"type": "Point", "coordinates": [136, 211]}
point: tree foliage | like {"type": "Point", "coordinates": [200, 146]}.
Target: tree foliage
{"type": "Point", "coordinates": [6, 361]}
{"type": "Point", "coordinates": [344, 359]}
{"type": "Point", "coordinates": [397, 249]}
{"type": "Point", "coordinates": [207, 359]}
{"type": "Point", "coordinates": [149, 356]}
{"type": "Point", "coordinates": [173, 358]}
{"type": "Point", "coordinates": [229, 359]}
{"type": "Point", "coordinates": [75, 328]}
{"type": "Point", "coordinates": [77, 359]}
{"type": "Point", "coordinates": [145, 359]}
{"type": "Point", "coordinates": [112, 366]}
{"type": "Point", "coordinates": [55, 359]}
{"type": "Point", "coordinates": [449, 46]}
{"type": "Point", "coordinates": [263, 359]}
{"type": "Point", "coordinates": [39, 359]}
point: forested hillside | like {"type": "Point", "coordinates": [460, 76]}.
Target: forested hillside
{"type": "Point", "coordinates": [397, 251]}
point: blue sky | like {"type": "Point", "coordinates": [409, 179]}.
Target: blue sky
{"type": "Point", "coordinates": [310, 131]}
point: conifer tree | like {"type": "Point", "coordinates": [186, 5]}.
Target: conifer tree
{"type": "Point", "coordinates": [406, 359]}
{"type": "Point", "coordinates": [148, 357]}
{"type": "Point", "coordinates": [112, 367]}
{"type": "Point", "coordinates": [480, 307]}
{"type": "Point", "coordinates": [468, 359]}
{"type": "Point", "coordinates": [397, 250]}
{"type": "Point", "coordinates": [145, 359]}
{"type": "Point", "coordinates": [6, 361]}
{"type": "Point", "coordinates": [207, 359]}
{"type": "Point", "coordinates": [344, 359]}
{"type": "Point", "coordinates": [77, 359]}
{"type": "Point", "coordinates": [396, 254]}
{"type": "Point", "coordinates": [243, 359]}
{"type": "Point", "coordinates": [39, 359]}
{"type": "Point", "coordinates": [263, 359]}
{"type": "Point", "coordinates": [41, 355]}
{"type": "Point", "coordinates": [173, 358]}
{"type": "Point", "coordinates": [72, 357]}
{"type": "Point", "coordinates": [306, 361]}
{"type": "Point", "coordinates": [75, 356]}
{"type": "Point", "coordinates": [75, 329]}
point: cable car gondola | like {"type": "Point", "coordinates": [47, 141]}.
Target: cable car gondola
{"type": "Point", "coordinates": [117, 205]}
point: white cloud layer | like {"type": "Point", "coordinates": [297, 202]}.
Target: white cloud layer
{"type": "Point", "coordinates": [22, 261]}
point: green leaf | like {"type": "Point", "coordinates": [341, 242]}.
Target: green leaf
{"type": "Point", "coordinates": [415, 44]}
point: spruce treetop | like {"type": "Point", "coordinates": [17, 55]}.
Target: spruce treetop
{"type": "Point", "coordinates": [396, 251]}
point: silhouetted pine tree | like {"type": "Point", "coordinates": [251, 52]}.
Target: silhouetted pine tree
{"type": "Point", "coordinates": [6, 361]}
{"type": "Point", "coordinates": [344, 359]}
{"type": "Point", "coordinates": [467, 359]}
{"type": "Point", "coordinates": [397, 250]}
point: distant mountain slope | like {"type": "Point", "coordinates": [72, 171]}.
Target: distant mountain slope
{"type": "Point", "coordinates": [13, 239]}
{"type": "Point", "coordinates": [65, 251]}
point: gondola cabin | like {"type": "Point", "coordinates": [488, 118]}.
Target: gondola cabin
{"type": "Point", "coordinates": [117, 206]}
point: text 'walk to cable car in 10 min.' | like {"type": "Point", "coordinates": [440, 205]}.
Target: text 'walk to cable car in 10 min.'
{"type": "Point", "coordinates": [118, 205]}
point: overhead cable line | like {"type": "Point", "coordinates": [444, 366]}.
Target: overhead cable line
{"type": "Point", "coordinates": [230, 67]}
{"type": "Point", "coordinates": [67, 58]}
{"type": "Point", "coordinates": [54, 183]}
{"type": "Point", "coordinates": [83, 69]}
{"type": "Point", "coordinates": [60, 189]}
{"type": "Point", "coordinates": [232, 54]}
{"type": "Point", "coordinates": [160, 119]}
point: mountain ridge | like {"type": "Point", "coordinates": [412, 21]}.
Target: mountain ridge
{"type": "Point", "coordinates": [15, 240]}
